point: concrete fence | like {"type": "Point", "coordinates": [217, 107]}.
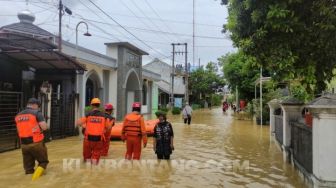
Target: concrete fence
{"type": "Point", "coordinates": [311, 150]}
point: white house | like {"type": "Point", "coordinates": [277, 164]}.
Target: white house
{"type": "Point", "coordinates": [66, 81]}
{"type": "Point", "coordinates": [164, 85]}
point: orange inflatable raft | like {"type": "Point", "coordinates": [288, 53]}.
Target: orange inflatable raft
{"type": "Point", "coordinates": [150, 124]}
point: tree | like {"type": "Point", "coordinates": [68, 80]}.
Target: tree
{"type": "Point", "coordinates": [203, 82]}
{"type": "Point", "coordinates": [240, 72]}
{"type": "Point", "coordinates": [293, 38]}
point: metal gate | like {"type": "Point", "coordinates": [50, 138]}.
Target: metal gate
{"type": "Point", "coordinates": [62, 118]}
{"type": "Point", "coordinates": [10, 105]}
{"type": "Point", "coordinates": [279, 128]}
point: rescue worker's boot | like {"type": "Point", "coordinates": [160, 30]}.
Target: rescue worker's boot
{"type": "Point", "coordinates": [38, 172]}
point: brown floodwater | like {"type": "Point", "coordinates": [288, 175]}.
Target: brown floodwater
{"type": "Point", "coordinates": [215, 151]}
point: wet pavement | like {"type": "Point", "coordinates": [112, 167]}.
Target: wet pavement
{"type": "Point", "coordinates": [215, 151]}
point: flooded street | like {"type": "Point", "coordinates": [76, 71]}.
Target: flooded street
{"type": "Point", "coordinates": [206, 154]}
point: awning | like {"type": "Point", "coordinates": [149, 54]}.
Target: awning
{"type": "Point", "coordinates": [38, 53]}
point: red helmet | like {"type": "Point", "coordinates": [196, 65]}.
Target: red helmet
{"type": "Point", "coordinates": [136, 105]}
{"type": "Point", "coordinates": [108, 106]}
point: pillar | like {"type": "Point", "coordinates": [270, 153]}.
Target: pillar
{"type": "Point", "coordinates": [273, 105]}
{"type": "Point", "coordinates": [291, 111]}
{"type": "Point", "coordinates": [324, 139]}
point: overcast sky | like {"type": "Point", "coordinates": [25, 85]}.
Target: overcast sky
{"type": "Point", "coordinates": [158, 23]}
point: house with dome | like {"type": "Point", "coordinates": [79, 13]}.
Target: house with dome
{"type": "Point", "coordinates": [32, 65]}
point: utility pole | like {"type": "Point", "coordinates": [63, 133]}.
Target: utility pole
{"type": "Point", "coordinates": [193, 32]}
{"type": "Point", "coordinates": [172, 78]}
{"type": "Point", "coordinates": [199, 62]}
{"type": "Point", "coordinates": [186, 68]}
{"type": "Point", "coordinates": [186, 73]}
{"type": "Point", "coordinates": [60, 7]}
{"type": "Point", "coordinates": [261, 107]}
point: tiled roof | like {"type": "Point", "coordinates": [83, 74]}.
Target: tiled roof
{"type": "Point", "coordinates": [27, 28]}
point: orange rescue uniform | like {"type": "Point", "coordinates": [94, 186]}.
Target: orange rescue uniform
{"type": "Point", "coordinates": [106, 142]}
{"type": "Point", "coordinates": [28, 129]}
{"type": "Point", "coordinates": [31, 138]}
{"type": "Point", "coordinates": [133, 131]}
{"type": "Point", "coordinates": [95, 124]}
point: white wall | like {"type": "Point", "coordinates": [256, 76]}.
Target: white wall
{"type": "Point", "coordinates": [113, 90]}
{"type": "Point", "coordinates": [112, 51]}
{"type": "Point", "coordinates": [165, 70]}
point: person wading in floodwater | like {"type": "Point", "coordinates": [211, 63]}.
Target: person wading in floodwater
{"type": "Point", "coordinates": [133, 131]}
{"type": "Point", "coordinates": [163, 138]}
{"type": "Point", "coordinates": [30, 126]}
{"type": "Point", "coordinates": [186, 112]}
{"type": "Point", "coordinates": [95, 123]}
{"type": "Point", "coordinates": [107, 134]}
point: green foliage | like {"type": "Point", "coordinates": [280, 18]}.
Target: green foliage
{"type": "Point", "coordinates": [159, 112]}
{"type": "Point", "coordinates": [176, 111]}
{"type": "Point", "coordinates": [164, 109]}
{"type": "Point", "coordinates": [203, 82]}
{"type": "Point", "coordinates": [231, 98]}
{"type": "Point", "coordinates": [240, 71]}
{"type": "Point", "coordinates": [249, 108]}
{"type": "Point", "coordinates": [293, 39]}
{"type": "Point", "coordinates": [265, 109]}
{"type": "Point", "coordinates": [299, 92]}
{"type": "Point", "coordinates": [196, 106]}
{"type": "Point", "coordinates": [216, 100]}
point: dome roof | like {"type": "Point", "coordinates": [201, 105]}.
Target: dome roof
{"type": "Point", "coordinates": [26, 25]}
{"type": "Point", "coordinates": [26, 16]}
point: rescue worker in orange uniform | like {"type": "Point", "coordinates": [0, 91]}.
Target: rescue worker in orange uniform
{"type": "Point", "coordinates": [133, 131]}
{"type": "Point", "coordinates": [95, 123]}
{"type": "Point", "coordinates": [106, 142]}
{"type": "Point", "coordinates": [30, 125]}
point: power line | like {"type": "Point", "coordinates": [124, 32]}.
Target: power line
{"type": "Point", "coordinates": [102, 30]}
{"type": "Point", "coordinates": [95, 35]}
{"type": "Point", "coordinates": [154, 24]}
{"type": "Point", "coordinates": [166, 25]}
{"type": "Point", "coordinates": [113, 28]}
{"type": "Point", "coordinates": [125, 28]}
{"type": "Point", "coordinates": [162, 32]}
{"type": "Point", "coordinates": [125, 5]}
{"type": "Point", "coordinates": [100, 18]}
{"type": "Point", "coordinates": [114, 36]}
{"type": "Point", "coordinates": [167, 20]}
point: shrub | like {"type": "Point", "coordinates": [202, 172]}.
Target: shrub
{"type": "Point", "coordinates": [157, 113]}
{"type": "Point", "coordinates": [196, 106]}
{"type": "Point", "coordinates": [176, 111]}
{"type": "Point", "coordinates": [216, 100]}
{"type": "Point", "coordinates": [164, 109]}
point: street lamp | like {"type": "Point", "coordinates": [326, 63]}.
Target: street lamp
{"type": "Point", "coordinates": [80, 76]}
{"type": "Point", "coordinates": [85, 34]}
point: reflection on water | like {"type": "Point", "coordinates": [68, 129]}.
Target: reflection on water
{"type": "Point", "coordinates": [215, 151]}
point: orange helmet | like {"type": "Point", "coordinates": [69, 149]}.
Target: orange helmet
{"type": "Point", "coordinates": [95, 101]}
{"type": "Point", "coordinates": [136, 105]}
{"type": "Point", "coordinates": [108, 106]}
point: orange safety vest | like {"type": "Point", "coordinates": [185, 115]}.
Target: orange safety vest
{"type": "Point", "coordinates": [28, 127]}
{"type": "Point", "coordinates": [132, 126]}
{"type": "Point", "coordinates": [95, 125]}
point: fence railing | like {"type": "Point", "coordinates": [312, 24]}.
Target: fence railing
{"type": "Point", "coordinates": [279, 128]}
{"type": "Point", "coordinates": [301, 144]}
{"type": "Point", "coordinates": [10, 105]}
{"type": "Point", "coordinates": [62, 115]}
